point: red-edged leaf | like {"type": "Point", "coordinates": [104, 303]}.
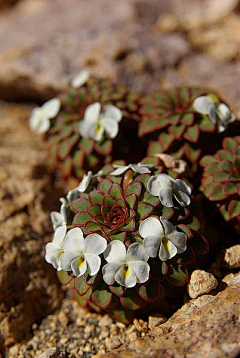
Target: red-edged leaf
{"type": "Point", "coordinates": [192, 134]}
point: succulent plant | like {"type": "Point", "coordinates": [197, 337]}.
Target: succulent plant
{"type": "Point", "coordinates": [182, 121]}
{"type": "Point", "coordinates": [127, 238]}
{"type": "Point", "coordinates": [221, 178]}
{"type": "Point", "coordinates": [96, 122]}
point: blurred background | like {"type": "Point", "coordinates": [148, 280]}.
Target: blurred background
{"type": "Point", "coordinates": [145, 44]}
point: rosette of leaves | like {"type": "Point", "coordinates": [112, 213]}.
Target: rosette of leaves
{"type": "Point", "coordinates": [72, 154]}
{"type": "Point", "coordinates": [114, 208]}
{"type": "Point", "coordinates": [171, 125]}
{"type": "Point", "coordinates": [221, 178]}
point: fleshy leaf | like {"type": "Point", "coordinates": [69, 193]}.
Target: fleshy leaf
{"type": "Point", "coordinates": [131, 300]}
{"type": "Point", "coordinates": [234, 208]}
{"type": "Point", "coordinates": [151, 291]}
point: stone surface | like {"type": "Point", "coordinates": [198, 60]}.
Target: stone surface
{"type": "Point", "coordinates": [230, 258]}
{"type": "Point", "coordinates": [201, 282]}
{"type": "Point", "coordinates": [29, 288]}
{"type": "Point", "coordinates": [206, 326]}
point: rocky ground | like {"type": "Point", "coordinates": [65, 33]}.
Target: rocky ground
{"type": "Point", "coordinates": [151, 44]}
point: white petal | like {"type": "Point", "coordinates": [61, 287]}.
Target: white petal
{"type": "Point", "coordinates": [109, 270]}
{"type": "Point", "coordinates": [115, 252]}
{"type": "Point", "coordinates": [141, 270]}
{"type": "Point", "coordinates": [59, 235]}
{"type": "Point", "coordinates": [92, 113]}
{"type": "Point", "coordinates": [213, 115]}
{"type": "Point", "coordinates": [95, 244]}
{"type": "Point", "coordinates": [223, 112]}
{"type": "Point", "coordinates": [179, 239]}
{"type": "Point", "coordinates": [96, 131]}
{"type": "Point", "coordinates": [51, 107]}
{"type": "Point", "coordinates": [142, 169]}
{"type": "Point", "coordinates": [93, 263]}
{"type": "Point", "coordinates": [182, 198]}
{"type": "Point", "coordinates": [72, 195]}
{"type": "Point", "coordinates": [222, 127]}
{"type": "Point", "coordinates": [35, 118]}
{"type": "Point", "coordinates": [84, 128]}
{"type": "Point", "coordinates": [157, 182]}
{"type": "Point", "coordinates": [136, 252]}
{"type": "Point", "coordinates": [180, 184]}
{"type": "Point", "coordinates": [167, 250]}
{"type": "Point", "coordinates": [67, 259]}
{"type": "Point", "coordinates": [43, 125]}
{"type": "Point", "coordinates": [165, 196]}
{"type": "Point", "coordinates": [74, 241]}
{"type": "Point", "coordinates": [120, 169]}
{"type": "Point", "coordinates": [203, 104]}
{"type": "Point", "coordinates": [79, 266]}
{"type": "Point", "coordinates": [53, 255]}
{"type": "Point", "coordinates": [151, 245]}
{"type": "Point", "coordinates": [168, 227]}
{"type": "Point", "coordinates": [151, 227]}
{"type": "Point", "coordinates": [57, 219]}
{"type": "Point", "coordinates": [110, 126]}
{"type": "Point", "coordinates": [125, 276]}
{"type": "Point", "coordinates": [80, 79]}
{"type": "Point", "coordinates": [112, 111]}
{"type": "Point", "coordinates": [64, 209]}
{"type": "Point", "coordinates": [83, 185]}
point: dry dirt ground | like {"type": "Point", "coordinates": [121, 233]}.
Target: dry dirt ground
{"type": "Point", "coordinates": [152, 44]}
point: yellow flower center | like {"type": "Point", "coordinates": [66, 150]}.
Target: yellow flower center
{"type": "Point", "coordinates": [126, 270]}
{"type": "Point", "coordinates": [81, 261]}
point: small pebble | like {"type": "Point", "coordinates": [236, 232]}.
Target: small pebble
{"type": "Point", "coordinates": [156, 319]}
{"type": "Point", "coordinates": [230, 258]}
{"type": "Point", "coordinates": [201, 282]}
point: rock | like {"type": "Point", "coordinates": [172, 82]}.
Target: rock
{"type": "Point", "coordinates": [230, 258]}
{"type": "Point", "coordinates": [201, 282]}
{"type": "Point", "coordinates": [156, 319]}
{"type": "Point", "coordinates": [49, 353]}
{"type": "Point", "coordinates": [29, 289]}
{"type": "Point", "coordinates": [232, 279]}
{"type": "Point", "coordinates": [206, 326]}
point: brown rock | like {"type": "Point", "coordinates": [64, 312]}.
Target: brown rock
{"type": "Point", "coordinates": [208, 326]}
{"type": "Point", "coordinates": [230, 258]}
{"type": "Point", "coordinates": [201, 282]}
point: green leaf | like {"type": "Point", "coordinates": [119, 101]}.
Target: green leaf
{"type": "Point", "coordinates": [154, 148]}
{"type": "Point", "coordinates": [80, 204]}
{"type": "Point", "coordinates": [78, 159]}
{"type": "Point", "coordinates": [187, 257]}
{"type": "Point", "coordinates": [104, 186]}
{"type": "Point", "coordinates": [131, 300]}
{"type": "Point", "coordinates": [146, 126]}
{"type": "Point", "coordinates": [217, 193]}
{"type": "Point", "coordinates": [93, 210]}
{"type": "Point", "coordinates": [65, 278]}
{"type": "Point", "coordinates": [93, 161]}
{"type": "Point", "coordinates": [229, 188]}
{"type": "Point", "coordinates": [117, 289]}
{"type": "Point", "coordinates": [177, 131]}
{"type": "Point", "coordinates": [230, 144]}
{"type": "Point", "coordinates": [64, 150]}
{"type": "Point", "coordinates": [166, 140]}
{"type": "Point", "coordinates": [134, 188]}
{"type": "Point", "coordinates": [87, 145]}
{"type": "Point", "coordinates": [116, 191]}
{"type": "Point", "coordinates": [105, 147]}
{"type": "Point", "coordinates": [177, 274]}
{"type": "Point", "coordinates": [234, 208]}
{"type": "Point", "coordinates": [66, 167]}
{"type": "Point", "coordinates": [227, 166]}
{"type": "Point", "coordinates": [102, 297]}
{"type": "Point", "coordinates": [130, 226]}
{"type": "Point", "coordinates": [192, 134]}
{"type": "Point", "coordinates": [96, 197]}
{"type": "Point", "coordinates": [188, 119]}
{"type": "Point", "coordinates": [167, 213]}
{"type": "Point", "coordinates": [206, 125]}
{"type": "Point", "coordinates": [91, 227]}
{"type": "Point", "coordinates": [82, 301]}
{"type": "Point", "coordinates": [80, 286]}
{"type": "Point", "coordinates": [213, 168]}
{"type": "Point", "coordinates": [120, 236]}
{"type": "Point", "coordinates": [151, 291]}
{"type": "Point", "coordinates": [208, 159]}
{"type": "Point", "coordinates": [199, 244]}
{"type": "Point", "coordinates": [225, 155]}
{"type": "Point", "coordinates": [191, 153]}
{"type": "Point", "coordinates": [81, 219]}
{"type": "Point", "coordinates": [149, 198]}
{"type": "Point", "coordinates": [186, 229]}
{"type": "Point", "coordinates": [144, 209]}
{"type": "Point", "coordinates": [194, 225]}
{"type": "Point", "coordinates": [221, 177]}
{"type": "Point", "coordinates": [124, 316]}
{"type": "Point", "coordinates": [131, 200]}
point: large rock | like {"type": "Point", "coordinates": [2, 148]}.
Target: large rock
{"type": "Point", "coordinates": [206, 327]}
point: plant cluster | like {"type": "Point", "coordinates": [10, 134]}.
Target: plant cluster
{"type": "Point", "coordinates": [130, 232]}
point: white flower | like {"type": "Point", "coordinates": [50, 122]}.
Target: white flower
{"type": "Point", "coordinates": [54, 249]}
{"type": "Point", "coordinates": [80, 79]}
{"type": "Point", "coordinates": [127, 268]}
{"type": "Point", "coordinates": [40, 117]}
{"type": "Point", "coordinates": [162, 235]}
{"type": "Point", "coordinates": [139, 168]}
{"type": "Point", "coordinates": [219, 113]}
{"type": "Point", "coordinates": [96, 121]}
{"type": "Point", "coordinates": [81, 254]}
{"type": "Point", "coordinates": [166, 187]}
{"type": "Point", "coordinates": [83, 185]}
